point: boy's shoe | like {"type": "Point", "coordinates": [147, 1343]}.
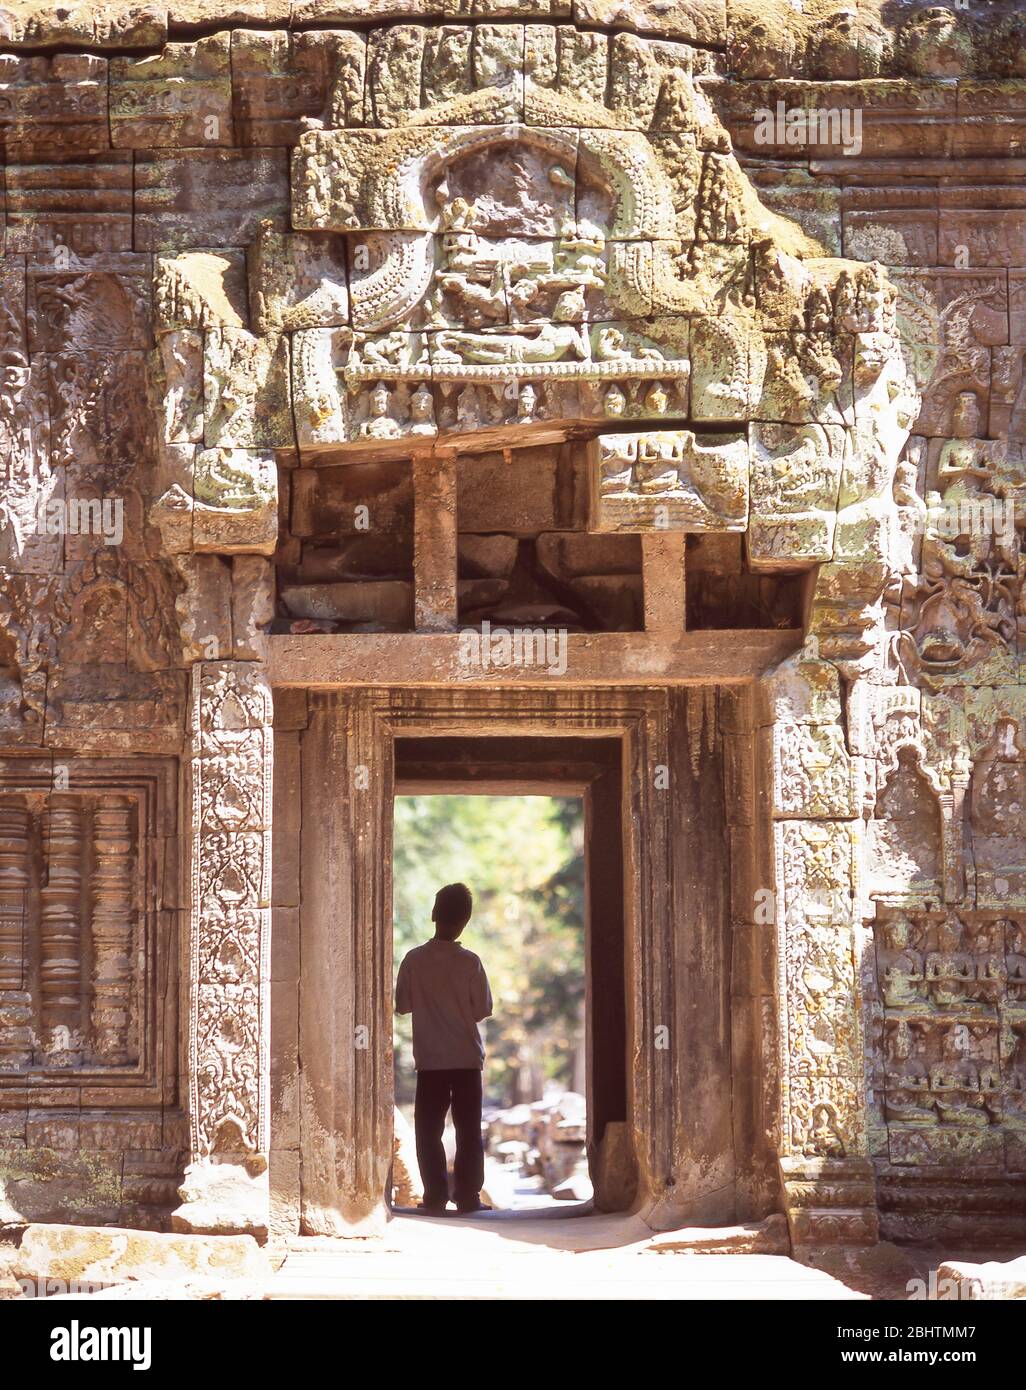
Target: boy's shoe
{"type": "Point", "coordinates": [430, 1208]}
{"type": "Point", "coordinates": [468, 1208]}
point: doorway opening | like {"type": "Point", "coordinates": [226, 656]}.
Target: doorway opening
{"type": "Point", "coordinates": [533, 826]}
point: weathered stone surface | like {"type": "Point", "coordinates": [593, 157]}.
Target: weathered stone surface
{"type": "Point", "coordinates": [694, 332]}
{"type": "Point", "coordinates": [210, 197]}
{"type": "Point", "coordinates": [89, 1255]}
{"type": "Point", "coordinates": [767, 1237]}
{"type": "Point", "coordinates": [181, 98]}
{"type": "Point", "coordinates": [53, 105]}
{"type": "Point", "coordinates": [996, 1279]}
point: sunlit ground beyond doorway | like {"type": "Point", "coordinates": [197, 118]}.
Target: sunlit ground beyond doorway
{"type": "Point", "coordinates": [523, 859]}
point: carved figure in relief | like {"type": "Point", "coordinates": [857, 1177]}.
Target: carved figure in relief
{"type": "Point", "coordinates": [549, 342]}
{"type": "Point", "coordinates": [959, 458]}
{"type": "Point", "coordinates": [987, 941]}
{"type": "Point", "coordinates": [660, 457]}
{"type": "Point", "coordinates": [1015, 1067]}
{"type": "Point", "coordinates": [379, 425]}
{"type": "Point", "coordinates": [957, 1083]}
{"type": "Point", "coordinates": [903, 976]}
{"type": "Point", "coordinates": [962, 610]}
{"type": "Point", "coordinates": [950, 970]}
{"type": "Point", "coordinates": [1015, 961]}
{"type": "Point", "coordinates": [383, 350]}
{"type": "Point", "coordinates": [907, 1081]}
{"type": "Point", "coordinates": [422, 412]}
{"type": "Point", "coordinates": [527, 404]}
{"type": "Point", "coordinates": [823, 1139]}
{"type": "Point", "coordinates": [610, 344]}
{"type": "Point", "coordinates": [475, 281]}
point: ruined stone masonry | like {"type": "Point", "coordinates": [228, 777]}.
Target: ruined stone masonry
{"type": "Point", "coordinates": [340, 341]}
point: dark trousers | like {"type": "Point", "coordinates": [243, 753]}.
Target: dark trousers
{"type": "Point", "coordinates": [436, 1092]}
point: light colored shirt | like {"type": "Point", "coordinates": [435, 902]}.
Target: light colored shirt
{"type": "Point", "coordinates": [446, 989]}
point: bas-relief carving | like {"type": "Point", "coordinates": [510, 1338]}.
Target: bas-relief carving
{"type": "Point", "coordinates": [681, 480]}
{"type": "Point", "coordinates": [615, 268]}
{"type": "Point", "coordinates": [521, 260]}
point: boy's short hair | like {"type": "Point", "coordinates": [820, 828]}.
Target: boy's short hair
{"type": "Point", "coordinates": [453, 906]}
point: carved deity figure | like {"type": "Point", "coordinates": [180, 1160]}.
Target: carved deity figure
{"type": "Point", "coordinates": [1015, 1068]}
{"type": "Point", "coordinates": [1015, 961]}
{"type": "Point", "coordinates": [617, 474]}
{"type": "Point", "coordinates": [422, 412]}
{"type": "Point", "coordinates": [527, 404]}
{"type": "Point", "coordinates": [379, 425]}
{"type": "Point", "coordinates": [823, 1139]}
{"type": "Point", "coordinates": [958, 469]}
{"type": "Point", "coordinates": [907, 1081]}
{"type": "Point", "coordinates": [660, 457]}
{"type": "Point", "coordinates": [548, 342]}
{"type": "Point", "coordinates": [987, 941]}
{"type": "Point", "coordinates": [956, 1082]}
{"type": "Point", "coordinates": [950, 970]}
{"type": "Point", "coordinates": [903, 976]}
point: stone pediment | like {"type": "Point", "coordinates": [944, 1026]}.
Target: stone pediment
{"type": "Point", "coordinates": [519, 265]}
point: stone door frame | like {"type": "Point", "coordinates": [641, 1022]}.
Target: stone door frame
{"type": "Point", "coordinates": [345, 1016]}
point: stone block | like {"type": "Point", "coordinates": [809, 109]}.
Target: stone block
{"type": "Point", "coordinates": [987, 237]}
{"type": "Point", "coordinates": [278, 78]}
{"type": "Point", "coordinates": [180, 97]}
{"type": "Point", "coordinates": [996, 1279]}
{"type": "Point", "coordinates": [907, 237]}
{"type": "Point", "coordinates": [44, 1184]}
{"type": "Point", "coordinates": [704, 21]}
{"type": "Point", "coordinates": [54, 105]}
{"type": "Point", "coordinates": [62, 207]}
{"type": "Point", "coordinates": [108, 1255]}
{"type": "Point", "coordinates": [385, 602]}
{"type": "Point", "coordinates": [207, 197]}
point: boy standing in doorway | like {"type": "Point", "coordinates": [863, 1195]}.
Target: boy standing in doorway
{"type": "Point", "coordinates": [446, 989]}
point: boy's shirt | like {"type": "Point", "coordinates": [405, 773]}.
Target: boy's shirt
{"type": "Point", "coordinates": [446, 989]}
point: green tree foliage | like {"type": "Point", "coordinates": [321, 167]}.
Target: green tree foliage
{"type": "Point", "coordinates": [523, 859]}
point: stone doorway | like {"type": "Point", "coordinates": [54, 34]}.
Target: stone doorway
{"type": "Point", "coordinates": [677, 1091]}
{"type": "Point", "coordinates": [590, 769]}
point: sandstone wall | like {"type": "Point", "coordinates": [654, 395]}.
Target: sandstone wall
{"type": "Point", "coordinates": [178, 182]}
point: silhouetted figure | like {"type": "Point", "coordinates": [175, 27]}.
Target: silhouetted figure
{"type": "Point", "coordinates": [446, 989]}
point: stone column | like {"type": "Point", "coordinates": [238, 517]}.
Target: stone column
{"type": "Point", "coordinates": [61, 932]}
{"type": "Point", "coordinates": [826, 1172]}
{"type": "Point", "coordinates": [113, 930]}
{"type": "Point", "coordinates": [345, 1022]}
{"type": "Point", "coordinates": [663, 580]}
{"type": "Point", "coordinates": [15, 999]}
{"type": "Point", "coordinates": [221, 502]}
{"type": "Point", "coordinates": [226, 1186]}
{"type": "Point", "coordinates": [434, 546]}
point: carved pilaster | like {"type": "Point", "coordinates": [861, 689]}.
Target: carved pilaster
{"type": "Point", "coordinates": [61, 932]}
{"type": "Point", "coordinates": [226, 1185]}
{"type": "Point", "coordinates": [15, 999]}
{"type": "Point", "coordinates": [113, 929]}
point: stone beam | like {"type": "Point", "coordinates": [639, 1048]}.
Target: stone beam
{"type": "Point", "coordinates": [599, 659]}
